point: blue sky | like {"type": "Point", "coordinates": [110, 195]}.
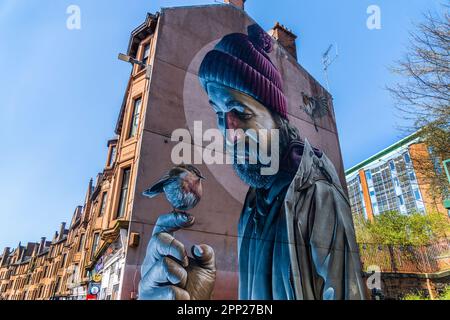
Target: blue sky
{"type": "Point", "coordinates": [60, 90]}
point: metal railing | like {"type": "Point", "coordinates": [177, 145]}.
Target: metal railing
{"type": "Point", "coordinates": [431, 258]}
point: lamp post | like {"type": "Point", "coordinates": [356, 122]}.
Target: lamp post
{"type": "Point", "coordinates": [133, 61]}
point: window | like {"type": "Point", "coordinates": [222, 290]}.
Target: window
{"type": "Point", "coordinates": [76, 270]}
{"type": "Point", "coordinates": [407, 158]}
{"type": "Point", "coordinates": [81, 242]}
{"type": "Point", "coordinates": [417, 195]}
{"type": "Point", "coordinates": [392, 165]}
{"type": "Point", "coordinates": [135, 118]}
{"type": "Point", "coordinates": [41, 288]}
{"type": "Point", "coordinates": [412, 176]}
{"type": "Point", "coordinates": [112, 156]}
{"type": "Point", "coordinates": [63, 260]}
{"type": "Point", "coordinates": [95, 244]}
{"type": "Point", "coordinates": [146, 54]}
{"type": "Point", "coordinates": [368, 175]}
{"type": "Point", "coordinates": [115, 292]}
{"type": "Point", "coordinates": [103, 204]}
{"type": "Point", "coordinates": [400, 200]}
{"type": "Point", "coordinates": [58, 285]}
{"type": "Point", "coordinates": [123, 193]}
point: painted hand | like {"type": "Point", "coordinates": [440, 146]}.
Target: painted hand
{"type": "Point", "coordinates": [168, 273]}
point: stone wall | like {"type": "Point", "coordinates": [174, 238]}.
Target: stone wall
{"type": "Point", "coordinates": [395, 286]}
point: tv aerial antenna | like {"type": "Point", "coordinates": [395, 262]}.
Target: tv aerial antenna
{"type": "Point", "coordinates": [328, 58]}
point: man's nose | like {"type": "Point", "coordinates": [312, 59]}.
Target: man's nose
{"type": "Point", "coordinates": [232, 120]}
{"type": "Point", "coordinates": [235, 132]}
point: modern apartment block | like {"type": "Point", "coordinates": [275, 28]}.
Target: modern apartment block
{"type": "Point", "coordinates": [100, 254]}
{"type": "Point", "coordinates": [390, 181]}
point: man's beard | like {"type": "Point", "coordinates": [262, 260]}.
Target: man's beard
{"type": "Point", "coordinates": [251, 174]}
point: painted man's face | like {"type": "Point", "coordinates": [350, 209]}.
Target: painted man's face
{"type": "Point", "coordinates": [236, 110]}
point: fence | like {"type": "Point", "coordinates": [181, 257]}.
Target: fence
{"type": "Point", "coordinates": [407, 259]}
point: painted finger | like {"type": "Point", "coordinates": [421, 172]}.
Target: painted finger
{"type": "Point", "coordinates": [165, 272]}
{"type": "Point", "coordinates": [169, 223]}
{"type": "Point", "coordinates": [205, 256]}
{"type": "Point", "coordinates": [167, 245]}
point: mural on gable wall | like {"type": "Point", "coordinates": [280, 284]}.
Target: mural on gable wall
{"type": "Point", "coordinates": [295, 232]}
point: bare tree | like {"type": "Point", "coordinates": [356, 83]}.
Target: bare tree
{"type": "Point", "coordinates": [423, 96]}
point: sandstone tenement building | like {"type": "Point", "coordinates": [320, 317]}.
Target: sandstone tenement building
{"type": "Point", "coordinates": [98, 255]}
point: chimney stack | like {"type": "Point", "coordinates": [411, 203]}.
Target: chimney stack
{"type": "Point", "coordinates": [237, 3]}
{"type": "Point", "coordinates": [61, 230]}
{"type": "Point", "coordinates": [5, 256]}
{"type": "Point", "coordinates": [36, 250]}
{"type": "Point", "coordinates": [285, 37]}
{"type": "Point", "coordinates": [41, 245]}
{"type": "Point", "coordinates": [21, 251]}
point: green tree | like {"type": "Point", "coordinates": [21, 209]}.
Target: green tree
{"type": "Point", "coordinates": [417, 295]}
{"type": "Point", "coordinates": [423, 94]}
{"type": "Point", "coordinates": [446, 294]}
{"type": "Point", "coordinates": [394, 228]}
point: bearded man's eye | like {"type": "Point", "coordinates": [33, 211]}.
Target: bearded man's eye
{"type": "Point", "coordinates": [243, 115]}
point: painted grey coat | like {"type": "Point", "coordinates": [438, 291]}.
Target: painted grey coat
{"type": "Point", "coordinates": [322, 244]}
{"type": "Point", "coordinates": [312, 254]}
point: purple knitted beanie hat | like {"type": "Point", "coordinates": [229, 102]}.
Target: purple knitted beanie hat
{"type": "Point", "coordinates": [241, 63]}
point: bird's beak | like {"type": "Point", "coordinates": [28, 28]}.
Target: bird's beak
{"type": "Point", "coordinates": [202, 178]}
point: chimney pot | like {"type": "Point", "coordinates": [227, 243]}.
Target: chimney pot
{"type": "Point", "coordinates": [237, 3]}
{"type": "Point", "coordinates": [285, 37]}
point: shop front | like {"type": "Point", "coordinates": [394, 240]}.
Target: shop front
{"type": "Point", "coordinates": [105, 278]}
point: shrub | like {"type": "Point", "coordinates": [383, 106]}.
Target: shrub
{"type": "Point", "coordinates": [415, 296]}
{"type": "Point", "coordinates": [394, 228]}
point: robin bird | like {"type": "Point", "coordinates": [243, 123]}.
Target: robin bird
{"type": "Point", "coordinates": [315, 107]}
{"type": "Point", "coordinates": [182, 186]}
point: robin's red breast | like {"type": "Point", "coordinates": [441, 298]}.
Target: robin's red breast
{"type": "Point", "coordinates": [182, 186]}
